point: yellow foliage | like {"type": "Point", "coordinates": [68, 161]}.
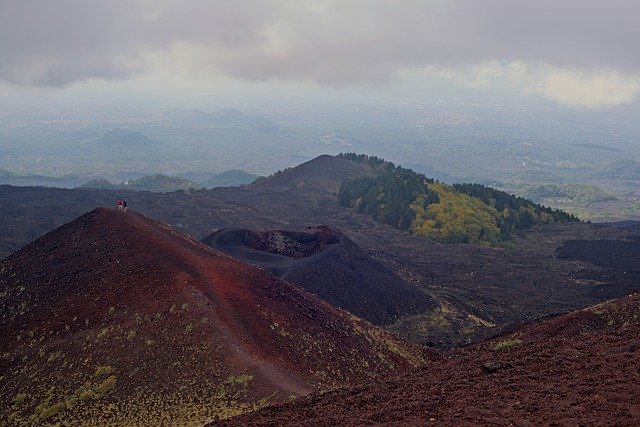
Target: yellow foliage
{"type": "Point", "coordinates": [456, 217]}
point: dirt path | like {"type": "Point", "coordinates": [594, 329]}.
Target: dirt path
{"type": "Point", "coordinates": [230, 328]}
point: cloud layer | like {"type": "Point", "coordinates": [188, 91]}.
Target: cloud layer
{"type": "Point", "coordinates": [582, 44]}
{"type": "Point", "coordinates": [567, 86]}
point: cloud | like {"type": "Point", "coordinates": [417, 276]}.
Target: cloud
{"type": "Point", "coordinates": [55, 43]}
{"type": "Point", "coordinates": [333, 42]}
{"type": "Point", "coordinates": [593, 89]}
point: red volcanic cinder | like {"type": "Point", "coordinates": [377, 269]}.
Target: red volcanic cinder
{"type": "Point", "coordinates": [115, 317]}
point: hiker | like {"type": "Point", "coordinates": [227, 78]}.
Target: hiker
{"type": "Point", "coordinates": [124, 203]}
{"type": "Point", "coordinates": [120, 204]}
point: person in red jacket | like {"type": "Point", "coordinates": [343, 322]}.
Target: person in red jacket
{"type": "Point", "coordinates": [120, 204]}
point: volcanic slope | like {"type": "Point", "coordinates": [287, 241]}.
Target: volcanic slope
{"type": "Point", "coordinates": [115, 318]}
{"type": "Point", "coordinates": [327, 263]}
{"type": "Point", "coordinates": [324, 173]}
{"type": "Point", "coordinates": [582, 368]}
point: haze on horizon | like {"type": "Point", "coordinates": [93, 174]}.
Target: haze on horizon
{"type": "Point", "coordinates": [537, 98]}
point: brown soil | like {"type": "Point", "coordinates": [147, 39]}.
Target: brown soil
{"type": "Point", "coordinates": [577, 369]}
{"type": "Point", "coordinates": [182, 332]}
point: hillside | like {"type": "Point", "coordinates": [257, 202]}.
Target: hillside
{"type": "Point", "coordinates": [323, 172]}
{"type": "Point", "coordinates": [582, 368]}
{"type": "Point", "coordinates": [158, 183]}
{"type": "Point", "coordinates": [626, 169]}
{"type": "Point", "coordinates": [461, 213]}
{"type": "Point", "coordinates": [477, 286]}
{"type": "Point", "coordinates": [114, 318]}
{"type": "Point", "coordinates": [328, 264]}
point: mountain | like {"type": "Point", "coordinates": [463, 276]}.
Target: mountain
{"type": "Point", "coordinates": [458, 213]}
{"type": "Point", "coordinates": [236, 118]}
{"type": "Point", "coordinates": [100, 184]}
{"type": "Point", "coordinates": [581, 368]}
{"type": "Point", "coordinates": [115, 318]}
{"type": "Point", "coordinates": [328, 264]}
{"type": "Point", "coordinates": [228, 118]}
{"type": "Point", "coordinates": [32, 179]}
{"type": "Point", "coordinates": [157, 183]}
{"type": "Point", "coordinates": [323, 172]}
{"type": "Point", "coordinates": [230, 178]}
{"type": "Point", "coordinates": [124, 138]}
{"type": "Point", "coordinates": [478, 287]}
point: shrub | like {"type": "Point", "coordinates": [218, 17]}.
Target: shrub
{"type": "Point", "coordinates": [20, 397]}
{"type": "Point", "coordinates": [507, 344]}
{"type": "Point", "coordinates": [102, 370]}
{"type": "Point", "coordinates": [52, 410]}
{"type": "Point", "coordinates": [106, 385]}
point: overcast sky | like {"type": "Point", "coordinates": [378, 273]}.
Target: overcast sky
{"type": "Point", "coordinates": [578, 53]}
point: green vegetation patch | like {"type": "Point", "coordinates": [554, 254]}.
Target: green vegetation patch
{"type": "Point", "coordinates": [507, 344]}
{"type": "Point", "coordinates": [102, 371]}
{"type": "Point", "coordinates": [462, 213]}
{"type": "Point", "coordinates": [19, 398]}
{"type": "Point", "coordinates": [582, 194]}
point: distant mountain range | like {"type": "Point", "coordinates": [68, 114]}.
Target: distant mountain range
{"type": "Point", "coordinates": [230, 178]}
{"type": "Point", "coordinates": [158, 183]}
{"type": "Point", "coordinates": [33, 179]}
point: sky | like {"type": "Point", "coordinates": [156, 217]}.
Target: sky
{"type": "Point", "coordinates": [570, 53]}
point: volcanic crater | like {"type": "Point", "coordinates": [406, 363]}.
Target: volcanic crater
{"type": "Point", "coordinates": [327, 263]}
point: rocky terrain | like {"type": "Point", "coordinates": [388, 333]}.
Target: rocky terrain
{"type": "Point", "coordinates": [108, 319]}
{"type": "Point", "coordinates": [479, 290]}
{"type": "Point", "coordinates": [117, 319]}
{"type": "Point", "coordinates": [582, 368]}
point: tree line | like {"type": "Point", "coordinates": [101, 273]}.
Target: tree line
{"type": "Point", "coordinates": [462, 213]}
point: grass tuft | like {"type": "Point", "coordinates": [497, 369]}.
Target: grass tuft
{"type": "Point", "coordinates": [507, 344]}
